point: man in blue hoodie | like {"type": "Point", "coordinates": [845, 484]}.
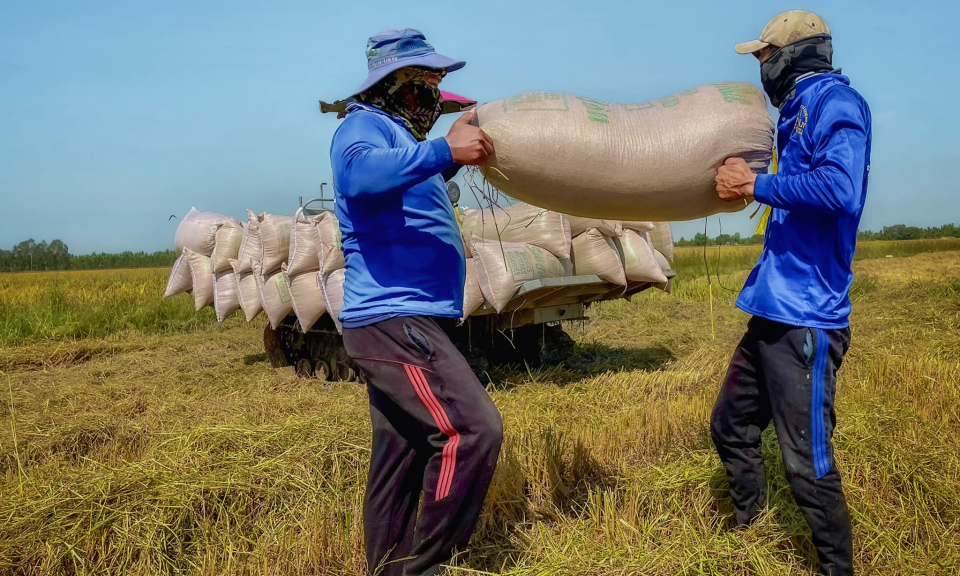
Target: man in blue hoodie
{"type": "Point", "coordinates": [784, 368]}
{"type": "Point", "coordinates": [436, 432]}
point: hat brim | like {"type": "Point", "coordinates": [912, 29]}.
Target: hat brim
{"type": "Point", "coordinates": [452, 103]}
{"type": "Point", "coordinates": [751, 46]}
{"type": "Point", "coordinates": [429, 60]}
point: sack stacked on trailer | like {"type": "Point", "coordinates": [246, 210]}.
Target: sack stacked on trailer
{"type": "Point", "coordinates": [206, 241]}
{"type": "Point", "coordinates": [303, 270]}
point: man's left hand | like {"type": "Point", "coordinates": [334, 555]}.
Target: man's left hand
{"type": "Point", "coordinates": [735, 180]}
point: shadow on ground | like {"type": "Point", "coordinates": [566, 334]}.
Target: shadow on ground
{"type": "Point", "coordinates": [586, 362]}
{"type": "Point", "coordinates": [251, 359]}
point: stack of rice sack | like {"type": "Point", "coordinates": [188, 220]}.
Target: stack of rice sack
{"type": "Point", "coordinates": [618, 252]}
{"type": "Point", "coordinates": [273, 233]}
{"type": "Point", "coordinates": [206, 243]}
{"type": "Point", "coordinates": [331, 264]}
{"type": "Point", "coordinates": [507, 247]}
{"type": "Point", "coordinates": [280, 264]}
{"type": "Point", "coordinates": [314, 253]}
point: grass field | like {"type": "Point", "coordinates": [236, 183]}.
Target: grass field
{"type": "Point", "coordinates": [174, 448]}
{"type": "Point", "coordinates": [51, 307]}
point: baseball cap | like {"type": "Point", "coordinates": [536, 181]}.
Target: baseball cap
{"type": "Point", "coordinates": [786, 28]}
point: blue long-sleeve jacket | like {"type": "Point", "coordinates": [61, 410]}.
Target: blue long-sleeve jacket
{"type": "Point", "coordinates": [401, 242]}
{"type": "Point", "coordinates": [803, 276]}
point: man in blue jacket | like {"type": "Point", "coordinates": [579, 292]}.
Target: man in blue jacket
{"type": "Point", "coordinates": [784, 368]}
{"type": "Point", "coordinates": [435, 430]}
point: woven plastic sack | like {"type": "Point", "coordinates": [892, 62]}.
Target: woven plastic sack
{"type": "Point", "coordinates": [303, 255]}
{"type": "Point", "coordinates": [500, 278]}
{"type": "Point", "coordinates": [472, 296]}
{"type": "Point", "coordinates": [180, 280]}
{"type": "Point", "coordinates": [201, 279]}
{"type": "Point", "coordinates": [249, 253]}
{"type": "Point", "coordinates": [226, 247]}
{"type": "Point", "coordinates": [226, 294]}
{"type": "Point", "coordinates": [275, 296]}
{"type": "Point", "coordinates": [580, 225]}
{"type": "Point", "coordinates": [248, 290]}
{"type": "Point", "coordinates": [652, 160]}
{"type": "Point", "coordinates": [661, 238]}
{"type": "Point", "coordinates": [637, 225]}
{"type": "Point", "coordinates": [664, 265]}
{"type": "Point", "coordinates": [328, 240]}
{"type": "Point", "coordinates": [274, 242]}
{"type": "Point", "coordinates": [198, 230]}
{"type": "Point", "coordinates": [333, 295]}
{"type": "Point", "coordinates": [639, 263]}
{"type": "Point", "coordinates": [596, 253]}
{"type": "Point", "coordinates": [522, 224]}
{"type": "Point", "coordinates": [307, 298]}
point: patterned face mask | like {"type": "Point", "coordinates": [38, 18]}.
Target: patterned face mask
{"type": "Point", "coordinates": [408, 96]}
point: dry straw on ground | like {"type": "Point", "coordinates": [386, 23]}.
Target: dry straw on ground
{"type": "Point", "coordinates": [184, 453]}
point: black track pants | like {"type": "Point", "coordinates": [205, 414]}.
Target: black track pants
{"type": "Point", "coordinates": [436, 433]}
{"type": "Point", "coordinates": [788, 375]}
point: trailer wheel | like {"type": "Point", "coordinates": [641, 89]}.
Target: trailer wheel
{"type": "Point", "coordinates": [304, 368]}
{"type": "Point", "coordinates": [321, 371]}
{"type": "Point", "coordinates": [346, 373]}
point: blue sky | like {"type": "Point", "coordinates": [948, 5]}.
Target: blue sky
{"type": "Point", "coordinates": [117, 114]}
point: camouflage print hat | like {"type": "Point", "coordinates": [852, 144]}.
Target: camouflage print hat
{"type": "Point", "coordinates": [785, 29]}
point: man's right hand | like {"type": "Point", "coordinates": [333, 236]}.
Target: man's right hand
{"type": "Point", "coordinates": [469, 145]}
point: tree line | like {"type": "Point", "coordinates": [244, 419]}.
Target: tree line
{"type": "Point", "coordinates": [895, 232]}
{"type": "Point", "coordinates": [32, 255]}
{"type": "Point", "coordinates": [38, 256]}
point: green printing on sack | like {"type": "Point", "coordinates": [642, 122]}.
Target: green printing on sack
{"type": "Point", "coordinates": [596, 110]}
{"type": "Point", "coordinates": [739, 93]}
{"type": "Point", "coordinates": [536, 101]}
{"type": "Point", "coordinates": [520, 265]}
{"type": "Point", "coordinates": [637, 107]}
{"type": "Point", "coordinates": [281, 287]}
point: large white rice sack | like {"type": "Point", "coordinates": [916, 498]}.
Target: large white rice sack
{"type": "Point", "coordinates": [472, 296]}
{"type": "Point", "coordinates": [333, 295]}
{"type": "Point", "coordinates": [274, 241]}
{"type": "Point", "coordinates": [180, 280]}
{"type": "Point", "coordinates": [226, 247]}
{"type": "Point", "coordinates": [661, 260]}
{"type": "Point", "coordinates": [249, 292]}
{"type": "Point", "coordinates": [664, 265]}
{"type": "Point", "coordinates": [639, 263]}
{"type": "Point", "coordinates": [651, 160]}
{"type": "Point", "coordinates": [661, 238]}
{"type": "Point", "coordinates": [250, 247]}
{"type": "Point", "coordinates": [201, 278]}
{"type": "Point", "coordinates": [274, 295]}
{"type": "Point", "coordinates": [520, 223]}
{"type": "Point", "coordinates": [580, 225]}
{"type": "Point", "coordinates": [501, 279]}
{"type": "Point", "coordinates": [226, 294]}
{"type": "Point", "coordinates": [198, 230]}
{"type": "Point", "coordinates": [307, 297]}
{"type": "Point", "coordinates": [596, 253]}
{"type": "Point", "coordinates": [304, 255]}
{"type": "Point", "coordinates": [329, 250]}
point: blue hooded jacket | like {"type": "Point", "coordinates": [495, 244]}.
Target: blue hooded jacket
{"type": "Point", "coordinates": [803, 276]}
{"type": "Point", "coordinates": [401, 242]}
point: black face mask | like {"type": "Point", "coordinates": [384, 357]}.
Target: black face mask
{"type": "Point", "coordinates": [779, 73]}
